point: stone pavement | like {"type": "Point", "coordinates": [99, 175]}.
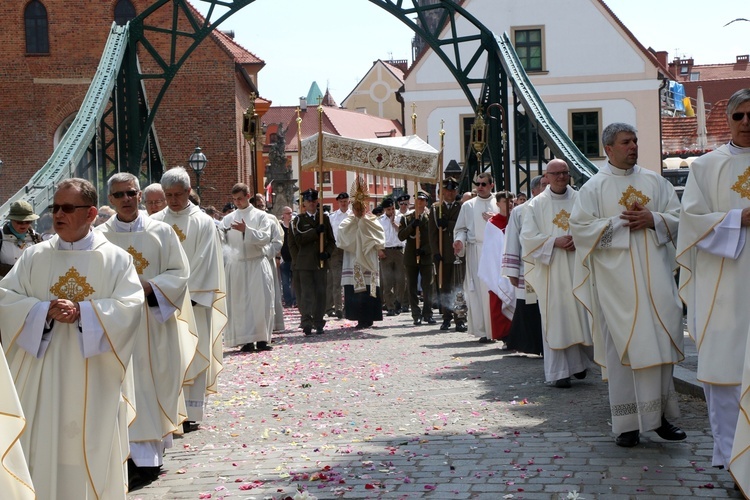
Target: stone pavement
{"type": "Point", "coordinates": [402, 412]}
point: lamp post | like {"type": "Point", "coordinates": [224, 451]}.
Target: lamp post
{"type": "Point", "coordinates": [197, 162]}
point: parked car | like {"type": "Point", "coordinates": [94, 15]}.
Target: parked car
{"type": "Point", "coordinates": [678, 177]}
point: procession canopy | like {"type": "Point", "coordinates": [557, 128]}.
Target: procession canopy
{"type": "Point", "coordinates": [406, 157]}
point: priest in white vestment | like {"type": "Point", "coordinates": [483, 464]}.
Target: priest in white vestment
{"type": "Point", "coordinates": [549, 255]}
{"type": "Point", "coordinates": [15, 480]}
{"type": "Point", "coordinates": [468, 237]}
{"type": "Point", "coordinates": [70, 310]}
{"type": "Point", "coordinates": [250, 283]}
{"type": "Point", "coordinates": [624, 226]}
{"type": "Point", "coordinates": [715, 268]}
{"type": "Point", "coordinates": [167, 337]}
{"type": "Point", "coordinates": [207, 286]}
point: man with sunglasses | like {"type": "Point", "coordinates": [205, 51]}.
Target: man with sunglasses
{"type": "Point", "coordinates": [624, 226]}
{"type": "Point", "coordinates": [469, 238]}
{"type": "Point", "coordinates": [167, 337]}
{"type": "Point", "coordinates": [70, 310]}
{"type": "Point", "coordinates": [715, 260]}
{"type": "Point", "coordinates": [207, 286]}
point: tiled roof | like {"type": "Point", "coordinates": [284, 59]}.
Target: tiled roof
{"type": "Point", "coordinates": [681, 133]}
{"type": "Point", "coordinates": [235, 50]}
{"type": "Point", "coordinates": [336, 121]}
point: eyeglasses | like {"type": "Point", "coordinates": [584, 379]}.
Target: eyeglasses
{"type": "Point", "coordinates": [403, 203]}
{"type": "Point", "coordinates": [154, 202]}
{"type": "Point", "coordinates": [559, 174]}
{"type": "Point", "coordinates": [739, 116]}
{"type": "Point", "coordinates": [483, 184]}
{"type": "Point", "coordinates": [67, 208]}
{"type": "Point", "coordinates": [132, 193]}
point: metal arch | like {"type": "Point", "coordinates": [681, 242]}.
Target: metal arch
{"type": "Point", "coordinates": [478, 46]}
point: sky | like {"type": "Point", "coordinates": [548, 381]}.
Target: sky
{"type": "Point", "coordinates": [335, 42]}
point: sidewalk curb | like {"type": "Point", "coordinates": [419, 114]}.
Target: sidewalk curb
{"type": "Point", "coordinates": [685, 382]}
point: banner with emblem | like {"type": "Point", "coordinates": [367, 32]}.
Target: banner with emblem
{"type": "Point", "coordinates": [406, 157]}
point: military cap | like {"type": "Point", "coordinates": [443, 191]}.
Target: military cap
{"type": "Point", "coordinates": [310, 194]}
{"type": "Point", "coordinates": [404, 197]}
{"type": "Point", "coordinates": [421, 195]}
{"type": "Point", "coordinates": [387, 203]}
{"type": "Point", "coordinates": [342, 195]}
{"type": "Point", "coordinates": [450, 183]}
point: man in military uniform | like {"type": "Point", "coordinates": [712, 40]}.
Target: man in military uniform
{"type": "Point", "coordinates": [413, 229]}
{"type": "Point", "coordinates": [310, 263]}
{"type": "Point", "coordinates": [442, 219]}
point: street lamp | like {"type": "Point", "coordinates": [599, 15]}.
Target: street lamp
{"type": "Point", "coordinates": [197, 162]}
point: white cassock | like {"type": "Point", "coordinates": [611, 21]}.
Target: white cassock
{"type": "Point", "coordinates": [549, 270]}
{"type": "Point", "coordinates": [250, 284]}
{"type": "Point", "coordinates": [469, 230]}
{"type": "Point", "coordinates": [273, 249]}
{"type": "Point", "coordinates": [15, 480]}
{"type": "Point", "coordinates": [69, 376]}
{"type": "Point", "coordinates": [167, 337]}
{"type": "Point", "coordinates": [625, 281]}
{"type": "Point", "coordinates": [200, 239]}
{"type": "Point", "coordinates": [713, 279]}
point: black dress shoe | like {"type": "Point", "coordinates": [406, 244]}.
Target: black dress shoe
{"type": "Point", "coordinates": [405, 309]}
{"type": "Point", "coordinates": [138, 477]}
{"type": "Point", "coordinates": [580, 375]}
{"type": "Point", "coordinates": [391, 312]}
{"type": "Point", "coordinates": [249, 347]}
{"type": "Point", "coordinates": [263, 346]}
{"type": "Point", "coordinates": [431, 321]}
{"type": "Point", "coordinates": [319, 331]}
{"type": "Point", "coordinates": [417, 321]}
{"type": "Point", "coordinates": [446, 325]}
{"type": "Point", "coordinates": [339, 314]}
{"type": "Point", "coordinates": [670, 432]}
{"type": "Point", "coordinates": [628, 439]}
{"type": "Point", "coordinates": [563, 383]}
{"type": "Point", "coordinates": [307, 330]}
{"type": "Point", "coordinates": [460, 327]}
{"type": "Point", "coordinates": [189, 426]}
{"type": "Point", "coordinates": [485, 340]}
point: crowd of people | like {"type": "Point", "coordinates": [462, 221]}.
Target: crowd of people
{"type": "Point", "coordinates": [114, 326]}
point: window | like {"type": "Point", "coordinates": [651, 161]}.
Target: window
{"type": "Point", "coordinates": [584, 130]}
{"type": "Point", "coordinates": [37, 34]}
{"type": "Point", "coordinates": [529, 47]}
{"type": "Point", "coordinates": [124, 12]}
{"type": "Point", "coordinates": [695, 76]}
{"type": "Point", "coordinates": [326, 177]}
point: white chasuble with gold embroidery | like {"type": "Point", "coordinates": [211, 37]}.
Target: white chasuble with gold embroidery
{"type": "Point", "coordinates": [549, 270]}
{"type": "Point", "coordinates": [361, 238]}
{"type": "Point", "coordinates": [167, 337]}
{"type": "Point", "coordinates": [633, 271]}
{"type": "Point", "coordinates": [207, 286]}
{"type": "Point", "coordinates": [76, 439]}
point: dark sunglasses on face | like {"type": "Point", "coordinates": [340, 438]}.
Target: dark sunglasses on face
{"type": "Point", "coordinates": [739, 116]}
{"type": "Point", "coordinates": [132, 193]}
{"type": "Point", "coordinates": [67, 208]}
{"type": "Point", "coordinates": [483, 184]}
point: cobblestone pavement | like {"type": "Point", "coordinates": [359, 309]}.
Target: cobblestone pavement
{"type": "Point", "coordinates": [402, 412]}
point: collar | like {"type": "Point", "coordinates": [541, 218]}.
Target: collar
{"type": "Point", "coordinates": [618, 171]}
{"type": "Point", "coordinates": [737, 150]}
{"type": "Point", "coordinates": [85, 243]}
{"type": "Point", "coordinates": [128, 227]}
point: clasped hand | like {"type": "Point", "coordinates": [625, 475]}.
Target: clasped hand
{"type": "Point", "coordinates": [63, 310]}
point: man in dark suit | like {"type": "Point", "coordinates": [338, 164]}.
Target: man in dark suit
{"type": "Point", "coordinates": [442, 219]}
{"type": "Point", "coordinates": [413, 229]}
{"type": "Point", "coordinates": [310, 263]}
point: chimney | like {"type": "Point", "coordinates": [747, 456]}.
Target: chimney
{"type": "Point", "coordinates": [303, 103]}
{"type": "Point", "coordinates": [743, 59]}
{"type": "Point", "coordinates": [661, 56]}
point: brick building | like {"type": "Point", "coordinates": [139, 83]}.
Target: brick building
{"type": "Point", "coordinates": [43, 82]}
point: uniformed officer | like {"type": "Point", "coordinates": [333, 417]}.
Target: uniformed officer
{"type": "Point", "coordinates": [418, 259]}
{"type": "Point", "coordinates": [310, 263]}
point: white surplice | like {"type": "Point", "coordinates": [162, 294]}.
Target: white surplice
{"type": "Point", "coordinates": [167, 337]}
{"type": "Point", "coordinates": [200, 239]}
{"type": "Point", "coordinates": [549, 270]}
{"type": "Point", "coordinates": [469, 230]}
{"type": "Point", "coordinates": [250, 283]}
{"type": "Point", "coordinates": [625, 281]}
{"type": "Point", "coordinates": [69, 376]}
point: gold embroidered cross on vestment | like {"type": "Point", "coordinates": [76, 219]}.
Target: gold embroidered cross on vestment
{"type": "Point", "coordinates": [140, 262]}
{"type": "Point", "coordinates": [742, 186]}
{"type": "Point", "coordinates": [562, 219]}
{"type": "Point", "coordinates": [179, 232]}
{"type": "Point", "coordinates": [630, 196]}
{"type": "Point", "coordinates": [72, 286]}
